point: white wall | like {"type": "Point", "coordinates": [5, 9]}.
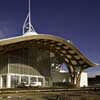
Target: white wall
{"type": "Point", "coordinates": [84, 79]}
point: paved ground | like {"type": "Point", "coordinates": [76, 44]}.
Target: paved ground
{"type": "Point", "coordinates": [50, 95]}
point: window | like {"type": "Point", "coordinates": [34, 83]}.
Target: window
{"type": "Point", "coordinates": [33, 79]}
{"type": "Point", "coordinates": [40, 79]}
{"type": "Point", "coordinates": [24, 79]}
{"type": "Point", "coordinates": [14, 81]}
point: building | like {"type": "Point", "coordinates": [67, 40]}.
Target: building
{"type": "Point", "coordinates": [84, 79]}
{"type": "Point", "coordinates": [35, 59]}
{"type": "Point", "coordinates": [94, 81]}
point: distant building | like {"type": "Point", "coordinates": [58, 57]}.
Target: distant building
{"type": "Point", "coordinates": [94, 81]}
{"type": "Point", "coordinates": [84, 79]}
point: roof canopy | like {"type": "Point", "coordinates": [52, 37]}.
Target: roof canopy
{"type": "Point", "coordinates": [71, 55]}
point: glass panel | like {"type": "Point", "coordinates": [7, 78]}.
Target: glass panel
{"type": "Point", "coordinates": [24, 80]}
{"type": "Point", "coordinates": [3, 64]}
{"type": "Point", "coordinates": [4, 81]}
{"type": "Point", "coordinates": [14, 81]}
{"type": "Point", "coordinates": [33, 79]}
{"type": "Point", "coordinates": [40, 79]}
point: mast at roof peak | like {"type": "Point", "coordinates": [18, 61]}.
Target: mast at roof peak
{"type": "Point", "coordinates": [28, 28]}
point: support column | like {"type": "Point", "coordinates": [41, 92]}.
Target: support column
{"type": "Point", "coordinates": [78, 79]}
{"type": "Point", "coordinates": [72, 78]}
{"type": "Point", "coordinates": [1, 81]}
{"type": "Point", "coordinates": [43, 81]}
{"type": "Point", "coordinates": [8, 81]}
{"type": "Point", "coordinates": [75, 73]}
{"type": "Point", "coordinates": [71, 73]}
{"type": "Point", "coordinates": [37, 81]}
{"type": "Point", "coordinates": [19, 79]}
{"type": "Point", "coordinates": [75, 79]}
{"type": "Point", "coordinates": [29, 80]}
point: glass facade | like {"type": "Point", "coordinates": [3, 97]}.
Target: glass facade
{"type": "Point", "coordinates": [30, 66]}
{"type": "Point", "coordinates": [29, 61]}
{"type": "Point", "coordinates": [26, 80]}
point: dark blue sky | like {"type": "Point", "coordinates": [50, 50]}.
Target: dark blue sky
{"type": "Point", "coordinates": [77, 20]}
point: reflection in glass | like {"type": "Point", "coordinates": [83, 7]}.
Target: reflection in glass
{"type": "Point", "coordinates": [14, 81]}
{"type": "Point", "coordinates": [24, 80]}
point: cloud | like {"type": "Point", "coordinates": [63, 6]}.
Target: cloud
{"type": "Point", "coordinates": [93, 71]}
{"type": "Point", "coordinates": [3, 34]}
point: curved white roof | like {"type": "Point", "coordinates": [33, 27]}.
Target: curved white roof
{"type": "Point", "coordinates": [30, 33]}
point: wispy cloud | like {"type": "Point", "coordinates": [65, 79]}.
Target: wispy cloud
{"type": "Point", "coordinates": [92, 72]}
{"type": "Point", "coordinates": [8, 29]}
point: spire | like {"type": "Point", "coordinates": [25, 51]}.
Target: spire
{"type": "Point", "coordinates": [28, 28]}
